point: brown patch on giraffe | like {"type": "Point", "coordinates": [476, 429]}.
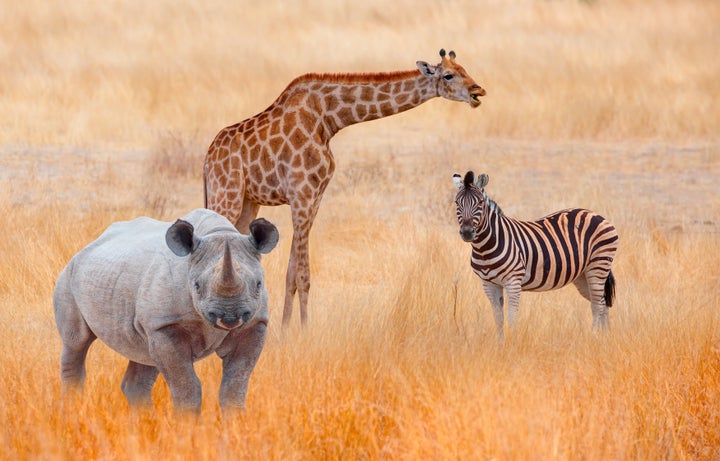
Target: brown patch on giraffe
{"type": "Point", "coordinates": [315, 103]}
{"type": "Point", "coordinates": [275, 128]}
{"type": "Point", "coordinates": [361, 110]}
{"type": "Point", "coordinates": [263, 132]}
{"type": "Point", "coordinates": [298, 138]}
{"type": "Point", "coordinates": [266, 161]}
{"type": "Point", "coordinates": [307, 190]}
{"type": "Point", "coordinates": [347, 95]}
{"type": "Point", "coordinates": [235, 163]}
{"type": "Point", "coordinates": [297, 161]}
{"type": "Point", "coordinates": [367, 93]}
{"type": "Point", "coordinates": [275, 143]}
{"type": "Point", "coordinates": [314, 180]}
{"type": "Point", "coordinates": [331, 123]}
{"type": "Point", "coordinates": [405, 107]}
{"type": "Point", "coordinates": [383, 97]}
{"type": "Point", "coordinates": [296, 178]}
{"type": "Point", "coordinates": [312, 158]}
{"type": "Point", "coordinates": [373, 111]}
{"type": "Point", "coordinates": [401, 98]}
{"type": "Point", "coordinates": [256, 173]}
{"type": "Point", "coordinates": [272, 180]}
{"type": "Point", "coordinates": [276, 112]}
{"type": "Point", "coordinates": [386, 109]}
{"type": "Point", "coordinates": [288, 123]}
{"type": "Point", "coordinates": [331, 103]}
{"type": "Point", "coordinates": [286, 154]}
{"type": "Point", "coordinates": [327, 89]}
{"type": "Point", "coordinates": [307, 119]}
{"type": "Point", "coordinates": [251, 141]}
{"type": "Point", "coordinates": [346, 115]}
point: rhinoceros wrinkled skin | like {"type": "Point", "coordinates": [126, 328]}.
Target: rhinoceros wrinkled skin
{"type": "Point", "coordinates": [164, 296]}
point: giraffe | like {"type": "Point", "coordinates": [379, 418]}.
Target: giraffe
{"type": "Point", "coordinates": [282, 155]}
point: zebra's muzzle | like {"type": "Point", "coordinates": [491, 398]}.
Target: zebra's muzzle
{"type": "Point", "coordinates": [467, 233]}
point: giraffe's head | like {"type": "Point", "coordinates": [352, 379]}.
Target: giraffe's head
{"type": "Point", "coordinates": [469, 201]}
{"type": "Point", "coordinates": [451, 80]}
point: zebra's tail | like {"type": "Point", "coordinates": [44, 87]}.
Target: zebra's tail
{"type": "Point", "coordinates": [609, 289]}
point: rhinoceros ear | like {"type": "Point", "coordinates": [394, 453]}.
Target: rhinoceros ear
{"type": "Point", "coordinates": [180, 238]}
{"type": "Point", "coordinates": [263, 235]}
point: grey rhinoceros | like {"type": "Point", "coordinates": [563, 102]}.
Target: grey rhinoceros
{"type": "Point", "coordinates": [164, 296]}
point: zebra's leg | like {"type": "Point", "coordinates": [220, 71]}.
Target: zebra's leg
{"type": "Point", "coordinates": [596, 287]}
{"type": "Point", "coordinates": [512, 290]}
{"type": "Point", "coordinates": [495, 295]}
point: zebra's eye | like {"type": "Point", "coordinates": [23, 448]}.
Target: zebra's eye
{"type": "Point", "coordinates": [448, 76]}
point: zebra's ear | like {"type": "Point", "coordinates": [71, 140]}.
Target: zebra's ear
{"type": "Point", "coordinates": [457, 180]}
{"type": "Point", "coordinates": [482, 180]}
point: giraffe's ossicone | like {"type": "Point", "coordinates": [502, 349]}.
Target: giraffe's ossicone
{"type": "Point", "coordinates": [282, 155]}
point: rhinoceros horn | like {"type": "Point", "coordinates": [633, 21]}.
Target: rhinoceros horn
{"type": "Point", "coordinates": [227, 281]}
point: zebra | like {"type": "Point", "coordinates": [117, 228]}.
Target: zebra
{"type": "Point", "coordinates": [573, 245]}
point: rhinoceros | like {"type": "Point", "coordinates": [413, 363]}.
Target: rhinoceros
{"type": "Point", "coordinates": [165, 295]}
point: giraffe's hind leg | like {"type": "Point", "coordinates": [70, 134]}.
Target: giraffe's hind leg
{"type": "Point", "coordinates": [247, 215]}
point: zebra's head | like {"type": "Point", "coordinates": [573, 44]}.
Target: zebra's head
{"type": "Point", "coordinates": [469, 200]}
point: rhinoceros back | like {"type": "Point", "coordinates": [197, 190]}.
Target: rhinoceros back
{"type": "Point", "coordinates": [125, 276]}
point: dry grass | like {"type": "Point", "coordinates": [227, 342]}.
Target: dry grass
{"type": "Point", "coordinates": [106, 111]}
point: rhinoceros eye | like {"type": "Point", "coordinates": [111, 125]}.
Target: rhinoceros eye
{"type": "Point", "coordinates": [258, 286]}
{"type": "Point", "coordinates": [197, 286]}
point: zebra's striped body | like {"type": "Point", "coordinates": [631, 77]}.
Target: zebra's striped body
{"type": "Point", "coordinates": [573, 245]}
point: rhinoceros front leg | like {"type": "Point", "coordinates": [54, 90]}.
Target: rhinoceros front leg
{"type": "Point", "coordinates": [171, 350]}
{"type": "Point", "coordinates": [239, 353]}
{"type": "Point", "coordinates": [138, 382]}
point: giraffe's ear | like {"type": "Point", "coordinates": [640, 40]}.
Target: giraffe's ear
{"type": "Point", "coordinates": [426, 69]}
{"type": "Point", "coordinates": [482, 180]}
{"type": "Point", "coordinates": [457, 180]}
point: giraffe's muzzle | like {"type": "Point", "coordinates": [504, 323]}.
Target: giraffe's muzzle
{"type": "Point", "coordinates": [476, 91]}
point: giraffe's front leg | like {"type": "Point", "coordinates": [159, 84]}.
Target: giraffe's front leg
{"type": "Point", "coordinates": [290, 286]}
{"type": "Point", "coordinates": [298, 275]}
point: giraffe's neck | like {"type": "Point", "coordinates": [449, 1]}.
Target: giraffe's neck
{"type": "Point", "coordinates": [345, 99]}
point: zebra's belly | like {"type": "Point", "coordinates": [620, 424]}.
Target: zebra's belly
{"type": "Point", "coordinates": [530, 280]}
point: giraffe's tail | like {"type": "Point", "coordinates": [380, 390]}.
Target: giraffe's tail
{"type": "Point", "coordinates": [609, 289]}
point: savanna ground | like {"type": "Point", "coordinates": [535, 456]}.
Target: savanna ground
{"type": "Point", "coordinates": [107, 109]}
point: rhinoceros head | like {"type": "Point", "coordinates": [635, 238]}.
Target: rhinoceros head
{"type": "Point", "coordinates": [226, 280]}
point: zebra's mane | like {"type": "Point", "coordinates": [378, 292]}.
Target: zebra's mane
{"type": "Point", "coordinates": [492, 204]}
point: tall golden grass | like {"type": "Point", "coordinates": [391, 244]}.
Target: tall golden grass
{"type": "Point", "coordinates": [107, 108]}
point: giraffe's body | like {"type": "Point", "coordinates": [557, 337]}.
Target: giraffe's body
{"type": "Point", "coordinates": [282, 155]}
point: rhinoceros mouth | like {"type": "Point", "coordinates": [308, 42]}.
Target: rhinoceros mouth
{"type": "Point", "coordinates": [228, 322]}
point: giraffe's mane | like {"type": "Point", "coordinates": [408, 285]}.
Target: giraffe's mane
{"type": "Point", "coordinates": [371, 77]}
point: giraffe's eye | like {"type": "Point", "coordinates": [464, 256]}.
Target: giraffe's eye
{"type": "Point", "coordinates": [448, 76]}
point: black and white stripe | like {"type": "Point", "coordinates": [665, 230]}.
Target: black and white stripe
{"type": "Point", "coordinates": [573, 245]}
